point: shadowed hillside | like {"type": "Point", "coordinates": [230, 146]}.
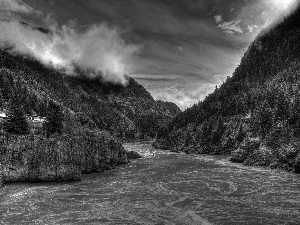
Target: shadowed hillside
{"type": "Point", "coordinates": [254, 115]}
{"type": "Point", "coordinates": [128, 113]}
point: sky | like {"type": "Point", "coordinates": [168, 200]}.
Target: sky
{"type": "Point", "coordinates": [179, 50]}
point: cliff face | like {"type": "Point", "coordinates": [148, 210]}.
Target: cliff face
{"type": "Point", "coordinates": [33, 158]}
{"type": "Point", "coordinates": [254, 115]}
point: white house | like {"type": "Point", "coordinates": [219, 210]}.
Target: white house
{"type": "Point", "coordinates": [36, 119]}
{"type": "Point", "coordinates": [3, 115]}
{"type": "Point", "coordinates": [39, 119]}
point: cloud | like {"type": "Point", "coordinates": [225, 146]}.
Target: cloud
{"type": "Point", "coordinates": [98, 51]}
{"type": "Point", "coordinates": [163, 27]}
{"type": "Point", "coordinates": [155, 77]}
{"type": "Point", "coordinates": [171, 89]}
{"type": "Point", "coordinates": [231, 27]}
{"type": "Point", "coordinates": [265, 14]}
{"type": "Point", "coordinates": [253, 28]}
{"type": "Point", "coordinates": [184, 97]}
{"type": "Point", "coordinates": [218, 18]}
{"type": "Point", "coordinates": [219, 78]}
{"type": "Point", "coordinates": [181, 91]}
{"type": "Point", "coordinates": [17, 6]}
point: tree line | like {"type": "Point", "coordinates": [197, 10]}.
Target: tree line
{"type": "Point", "coordinates": [265, 87]}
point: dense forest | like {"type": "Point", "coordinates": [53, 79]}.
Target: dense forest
{"type": "Point", "coordinates": [129, 112]}
{"type": "Point", "coordinates": [255, 114]}
{"type": "Point", "coordinates": [54, 127]}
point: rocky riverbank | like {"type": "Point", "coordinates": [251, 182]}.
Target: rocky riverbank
{"type": "Point", "coordinates": [133, 155]}
{"type": "Point", "coordinates": [257, 153]}
{"type": "Point", "coordinates": [37, 159]}
{"type": "Point", "coordinates": [240, 141]}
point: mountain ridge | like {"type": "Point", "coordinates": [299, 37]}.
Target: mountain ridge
{"type": "Point", "coordinates": [254, 114]}
{"type": "Point", "coordinates": [107, 106]}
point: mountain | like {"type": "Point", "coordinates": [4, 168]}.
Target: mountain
{"type": "Point", "coordinates": [255, 114]}
{"type": "Point", "coordinates": [128, 113]}
{"type": "Point", "coordinates": [76, 124]}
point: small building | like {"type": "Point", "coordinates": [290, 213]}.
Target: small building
{"type": "Point", "coordinates": [36, 119]}
{"type": "Point", "coordinates": [3, 115]}
{"type": "Point", "coordinates": [39, 119]}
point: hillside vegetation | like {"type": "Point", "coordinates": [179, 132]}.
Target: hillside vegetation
{"type": "Point", "coordinates": [255, 114]}
{"type": "Point", "coordinates": [79, 124]}
{"type": "Point", "coordinates": [128, 113]}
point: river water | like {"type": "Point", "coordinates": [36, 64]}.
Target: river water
{"type": "Point", "coordinates": [162, 188]}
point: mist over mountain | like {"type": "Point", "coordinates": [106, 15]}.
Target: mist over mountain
{"type": "Point", "coordinates": [98, 51]}
{"type": "Point", "coordinates": [254, 115]}
{"type": "Point", "coordinates": [66, 102]}
{"type": "Point", "coordinates": [128, 112]}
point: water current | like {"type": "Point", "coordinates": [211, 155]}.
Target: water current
{"type": "Point", "coordinates": [163, 188]}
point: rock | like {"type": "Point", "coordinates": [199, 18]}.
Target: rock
{"type": "Point", "coordinates": [247, 147]}
{"type": "Point", "coordinates": [286, 167]}
{"type": "Point", "coordinates": [260, 157]}
{"type": "Point", "coordinates": [174, 150]}
{"type": "Point", "coordinates": [1, 180]}
{"type": "Point", "coordinates": [156, 145]}
{"type": "Point", "coordinates": [68, 173]}
{"type": "Point", "coordinates": [106, 167]}
{"type": "Point", "coordinates": [296, 166]}
{"type": "Point", "coordinates": [217, 150]}
{"type": "Point", "coordinates": [161, 145]}
{"type": "Point", "coordinates": [274, 165]}
{"type": "Point", "coordinates": [133, 155]}
{"type": "Point", "coordinates": [59, 159]}
{"type": "Point", "coordinates": [239, 155]}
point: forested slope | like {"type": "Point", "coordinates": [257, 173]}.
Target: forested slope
{"type": "Point", "coordinates": [255, 114]}
{"type": "Point", "coordinates": [128, 113]}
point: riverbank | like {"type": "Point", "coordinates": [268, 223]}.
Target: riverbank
{"type": "Point", "coordinates": [238, 140]}
{"type": "Point", "coordinates": [251, 154]}
{"type": "Point", "coordinates": [161, 188]}
{"type": "Point", "coordinates": [65, 158]}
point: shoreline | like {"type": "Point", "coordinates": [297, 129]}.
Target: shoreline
{"type": "Point", "coordinates": [36, 159]}
{"type": "Point", "coordinates": [232, 159]}
{"type": "Point", "coordinates": [3, 183]}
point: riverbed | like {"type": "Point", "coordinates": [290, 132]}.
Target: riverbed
{"type": "Point", "coordinates": [162, 188]}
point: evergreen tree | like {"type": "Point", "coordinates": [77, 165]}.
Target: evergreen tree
{"type": "Point", "coordinates": [240, 134]}
{"type": "Point", "coordinates": [217, 133]}
{"type": "Point", "coordinates": [16, 122]}
{"type": "Point", "coordinates": [54, 119]}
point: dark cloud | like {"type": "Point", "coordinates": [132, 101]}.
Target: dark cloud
{"type": "Point", "coordinates": [197, 42]}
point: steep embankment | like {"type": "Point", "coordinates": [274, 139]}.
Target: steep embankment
{"type": "Point", "coordinates": [35, 158]}
{"type": "Point", "coordinates": [255, 114]}
{"type": "Point", "coordinates": [128, 113]}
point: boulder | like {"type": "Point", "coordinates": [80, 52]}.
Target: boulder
{"type": "Point", "coordinates": [275, 165]}
{"type": "Point", "coordinates": [239, 155]}
{"type": "Point", "coordinates": [133, 155]}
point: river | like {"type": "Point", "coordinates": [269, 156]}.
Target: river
{"type": "Point", "coordinates": [162, 188]}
